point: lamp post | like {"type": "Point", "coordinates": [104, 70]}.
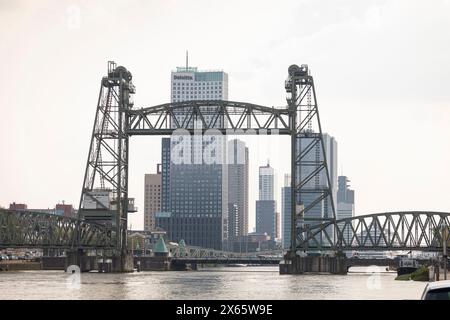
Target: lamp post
{"type": "Point", "coordinates": [444, 248]}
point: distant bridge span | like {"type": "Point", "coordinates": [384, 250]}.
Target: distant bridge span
{"type": "Point", "coordinates": [414, 230]}
{"type": "Point", "coordinates": [28, 229]}
{"type": "Point", "coordinates": [403, 230]}
{"type": "Point", "coordinates": [243, 260]}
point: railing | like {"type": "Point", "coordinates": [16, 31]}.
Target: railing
{"type": "Point", "coordinates": [204, 253]}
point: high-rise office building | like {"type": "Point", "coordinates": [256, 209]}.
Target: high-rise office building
{"type": "Point", "coordinates": [266, 205]}
{"type": "Point", "coordinates": [189, 83]}
{"type": "Point", "coordinates": [195, 179]}
{"type": "Point", "coordinates": [344, 193]}
{"type": "Point", "coordinates": [286, 211]}
{"type": "Point", "coordinates": [266, 183]}
{"type": "Point", "coordinates": [265, 218]}
{"type": "Point", "coordinates": [323, 209]}
{"type": "Point", "coordinates": [165, 175]}
{"type": "Point", "coordinates": [277, 225]}
{"type": "Point", "coordinates": [345, 204]}
{"type": "Point", "coordinates": [237, 189]}
{"type": "Point", "coordinates": [152, 198]}
{"type": "Point", "coordinates": [331, 151]}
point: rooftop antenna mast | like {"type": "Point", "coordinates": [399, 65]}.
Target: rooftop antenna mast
{"type": "Point", "coordinates": [187, 59]}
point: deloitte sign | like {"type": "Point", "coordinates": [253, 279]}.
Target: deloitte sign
{"type": "Point", "coordinates": [175, 77]}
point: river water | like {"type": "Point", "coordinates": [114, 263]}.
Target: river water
{"type": "Point", "coordinates": [214, 283]}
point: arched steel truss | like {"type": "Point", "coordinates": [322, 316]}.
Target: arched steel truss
{"type": "Point", "coordinates": [41, 230]}
{"type": "Point", "coordinates": [415, 230]}
{"type": "Point", "coordinates": [224, 116]}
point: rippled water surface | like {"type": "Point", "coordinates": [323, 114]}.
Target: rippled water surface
{"type": "Point", "coordinates": [213, 283]}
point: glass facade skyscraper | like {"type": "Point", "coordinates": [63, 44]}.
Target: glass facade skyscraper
{"type": "Point", "coordinates": [345, 204]}
{"type": "Point", "coordinates": [237, 189]}
{"type": "Point", "coordinates": [195, 191]}
{"type": "Point", "coordinates": [286, 212]}
{"type": "Point", "coordinates": [323, 209]}
{"type": "Point", "coordinates": [266, 205]}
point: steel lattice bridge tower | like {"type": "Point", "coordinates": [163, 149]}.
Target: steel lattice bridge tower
{"type": "Point", "coordinates": [116, 121]}
{"type": "Point", "coordinates": [105, 202]}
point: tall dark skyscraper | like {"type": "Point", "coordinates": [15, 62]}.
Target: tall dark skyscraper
{"type": "Point", "coordinates": [266, 205]}
{"type": "Point", "coordinates": [165, 175]}
{"type": "Point", "coordinates": [345, 203]}
{"type": "Point", "coordinates": [237, 189]}
{"type": "Point", "coordinates": [286, 211]}
{"type": "Point", "coordinates": [323, 209]}
{"type": "Point", "coordinates": [344, 193]}
{"type": "Point", "coordinates": [195, 192]}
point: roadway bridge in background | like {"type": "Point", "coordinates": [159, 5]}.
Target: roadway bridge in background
{"type": "Point", "coordinates": [395, 231]}
{"type": "Point", "coordinates": [392, 264]}
{"type": "Point", "coordinates": [350, 262]}
{"type": "Point", "coordinates": [186, 251]}
{"type": "Point", "coordinates": [416, 230]}
{"type": "Point", "coordinates": [228, 261]}
{"type": "Point", "coordinates": [29, 229]}
{"type": "Point", "coordinates": [405, 230]}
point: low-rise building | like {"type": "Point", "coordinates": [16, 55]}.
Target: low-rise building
{"type": "Point", "coordinates": [142, 242]}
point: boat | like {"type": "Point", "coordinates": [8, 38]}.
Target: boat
{"type": "Point", "coordinates": [407, 265]}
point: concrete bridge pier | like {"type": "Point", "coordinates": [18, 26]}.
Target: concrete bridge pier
{"type": "Point", "coordinates": [123, 262]}
{"type": "Point", "coordinates": [79, 258]}
{"type": "Point", "coordinates": [116, 263]}
{"type": "Point", "coordinates": [299, 265]}
{"type": "Point", "coordinates": [156, 263]}
{"type": "Point", "coordinates": [179, 265]}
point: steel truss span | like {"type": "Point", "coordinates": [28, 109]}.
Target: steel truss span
{"type": "Point", "coordinates": [415, 230]}
{"type": "Point", "coordinates": [117, 119]}
{"type": "Point", "coordinates": [199, 252]}
{"type": "Point", "coordinates": [41, 230]}
{"type": "Point", "coordinates": [225, 116]}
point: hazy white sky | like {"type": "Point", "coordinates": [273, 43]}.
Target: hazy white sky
{"type": "Point", "coordinates": [381, 68]}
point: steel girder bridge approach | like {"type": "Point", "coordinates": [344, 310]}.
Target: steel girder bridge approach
{"type": "Point", "coordinates": [105, 203]}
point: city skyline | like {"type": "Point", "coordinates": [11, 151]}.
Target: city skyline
{"type": "Point", "coordinates": [224, 156]}
{"type": "Point", "coordinates": [359, 36]}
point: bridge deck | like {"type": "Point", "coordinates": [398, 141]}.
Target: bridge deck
{"type": "Point", "coordinates": [227, 260]}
